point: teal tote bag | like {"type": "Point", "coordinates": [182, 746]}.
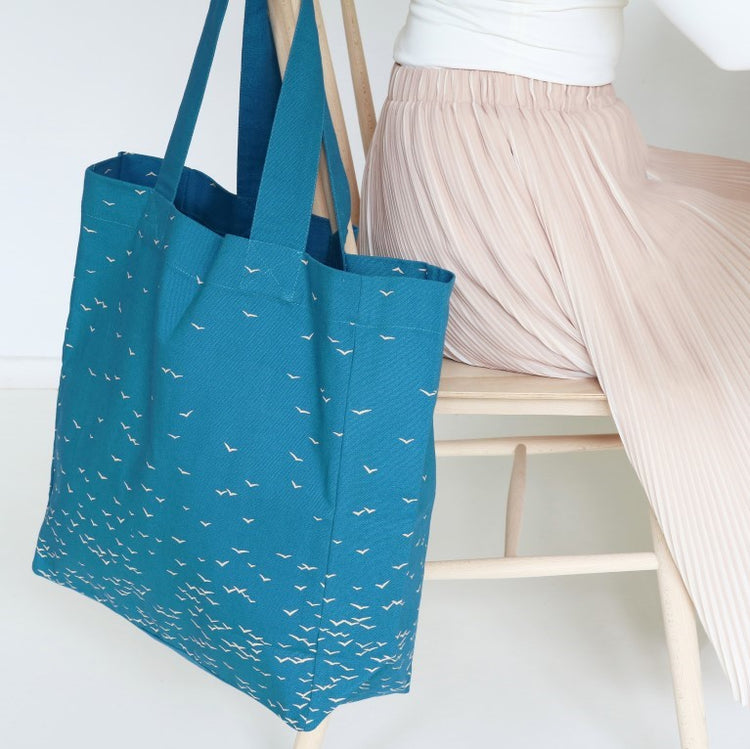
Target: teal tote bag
{"type": "Point", "coordinates": [243, 460]}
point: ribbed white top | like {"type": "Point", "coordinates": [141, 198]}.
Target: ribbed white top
{"type": "Point", "coordinates": [567, 41]}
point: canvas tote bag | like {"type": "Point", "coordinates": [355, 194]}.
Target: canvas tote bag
{"type": "Point", "coordinates": [243, 458]}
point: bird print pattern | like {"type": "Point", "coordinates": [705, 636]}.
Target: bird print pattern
{"type": "Point", "coordinates": [243, 460]}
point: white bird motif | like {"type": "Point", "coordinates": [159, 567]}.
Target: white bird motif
{"type": "Point", "coordinates": [302, 410]}
{"type": "Point", "coordinates": [87, 230]}
{"type": "Point", "coordinates": [296, 486]}
{"type": "Point", "coordinates": [198, 327]}
{"type": "Point", "coordinates": [249, 520]}
{"type": "Point", "coordinates": [368, 469]}
{"type": "Point", "coordinates": [250, 484]}
{"type": "Point", "coordinates": [298, 460]}
{"type": "Point", "coordinates": [388, 337]}
{"type": "Point", "coordinates": [434, 392]}
{"type": "Point", "coordinates": [363, 510]}
{"type": "Point", "coordinates": [252, 270]}
{"type": "Point", "coordinates": [394, 603]}
{"type": "Point", "coordinates": [407, 441]}
{"type": "Point", "coordinates": [249, 314]}
{"type": "Point", "coordinates": [222, 564]}
{"type": "Point", "coordinates": [363, 411]}
{"type": "Point", "coordinates": [345, 352]}
{"type": "Point", "coordinates": [186, 413]}
{"type": "Point", "coordinates": [386, 293]}
{"type": "Point", "coordinates": [231, 449]}
{"type": "Point", "coordinates": [234, 589]}
{"type": "Point", "coordinates": [409, 500]}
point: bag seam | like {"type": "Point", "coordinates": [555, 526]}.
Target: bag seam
{"type": "Point", "coordinates": [335, 510]}
{"type": "Point", "coordinates": [181, 270]}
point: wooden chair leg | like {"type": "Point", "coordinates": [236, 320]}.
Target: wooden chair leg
{"type": "Point", "coordinates": [312, 739]}
{"type": "Point", "coordinates": [514, 506]}
{"type": "Point", "coordinates": [681, 633]}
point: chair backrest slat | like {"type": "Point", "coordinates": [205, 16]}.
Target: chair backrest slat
{"type": "Point", "coordinates": [360, 77]}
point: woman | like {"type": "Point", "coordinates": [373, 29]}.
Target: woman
{"type": "Point", "coordinates": [503, 153]}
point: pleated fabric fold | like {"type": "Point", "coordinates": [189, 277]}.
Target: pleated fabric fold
{"type": "Point", "coordinates": [580, 250]}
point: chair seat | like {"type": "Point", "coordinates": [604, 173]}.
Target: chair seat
{"type": "Point", "coordinates": [466, 389]}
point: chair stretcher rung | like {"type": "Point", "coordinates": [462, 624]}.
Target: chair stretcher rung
{"type": "Point", "coordinates": [548, 443]}
{"type": "Point", "coordinates": [544, 566]}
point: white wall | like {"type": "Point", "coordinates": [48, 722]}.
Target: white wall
{"type": "Point", "coordinates": [576, 662]}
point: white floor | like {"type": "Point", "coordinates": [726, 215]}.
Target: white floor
{"type": "Point", "coordinates": [563, 662]}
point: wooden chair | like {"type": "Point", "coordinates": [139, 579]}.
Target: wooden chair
{"type": "Point", "coordinates": [466, 389]}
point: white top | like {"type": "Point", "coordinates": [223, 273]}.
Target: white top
{"type": "Point", "coordinates": [566, 41]}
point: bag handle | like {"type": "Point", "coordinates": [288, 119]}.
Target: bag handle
{"type": "Point", "coordinates": [302, 119]}
{"type": "Point", "coordinates": [290, 172]}
{"type": "Point", "coordinates": [260, 83]}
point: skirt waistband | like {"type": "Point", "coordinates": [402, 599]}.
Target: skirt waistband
{"type": "Point", "coordinates": [493, 88]}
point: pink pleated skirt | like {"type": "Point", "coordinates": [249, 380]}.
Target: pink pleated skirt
{"type": "Point", "coordinates": [581, 251]}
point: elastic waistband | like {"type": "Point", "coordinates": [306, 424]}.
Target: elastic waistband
{"type": "Point", "coordinates": [493, 88]}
